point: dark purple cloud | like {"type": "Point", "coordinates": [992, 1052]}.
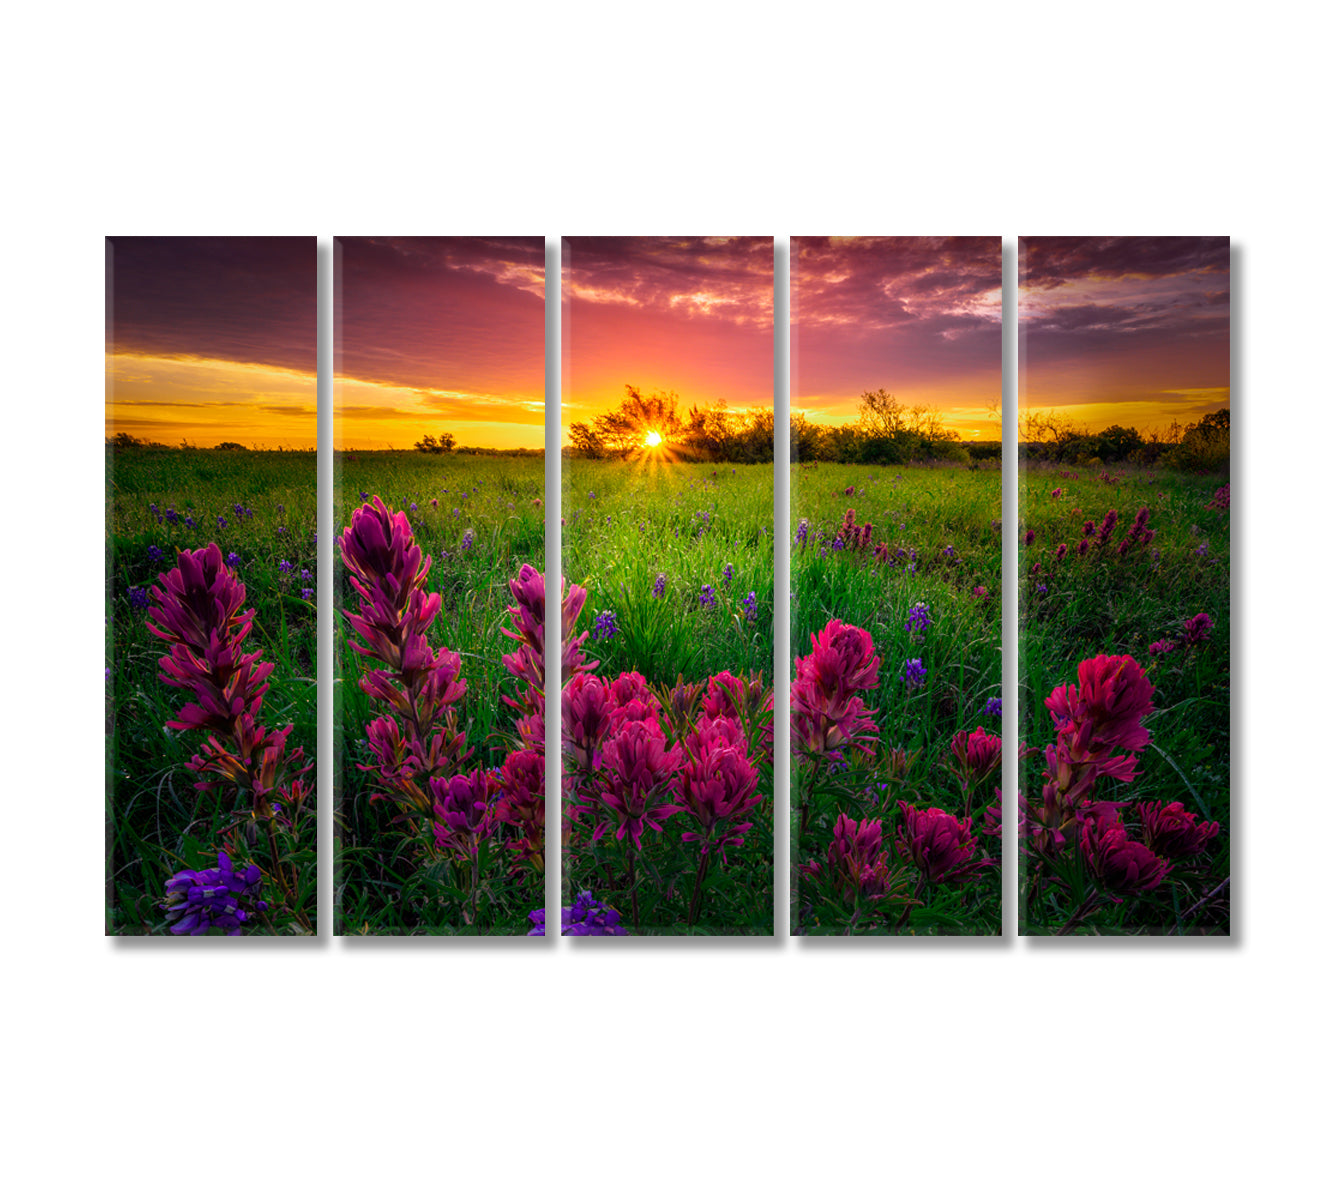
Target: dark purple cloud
{"type": "Point", "coordinates": [904, 313]}
{"type": "Point", "coordinates": [1049, 261]}
{"type": "Point", "coordinates": [724, 278]}
{"type": "Point", "coordinates": [1115, 318]}
{"type": "Point", "coordinates": [239, 299]}
{"type": "Point", "coordinates": [441, 312]}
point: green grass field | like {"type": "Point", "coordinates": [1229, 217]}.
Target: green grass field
{"type": "Point", "coordinates": [1107, 603]}
{"type": "Point", "coordinates": [480, 519]}
{"type": "Point", "coordinates": [940, 529]}
{"type": "Point", "coordinates": [678, 561]}
{"type": "Point", "coordinates": [159, 502]}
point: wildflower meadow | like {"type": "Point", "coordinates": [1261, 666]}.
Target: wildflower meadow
{"type": "Point", "coordinates": [896, 748]}
{"type": "Point", "coordinates": [667, 708]}
{"type": "Point", "coordinates": [440, 627]}
{"type": "Point", "coordinates": [1125, 711]}
{"type": "Point", "coordinates": [210, 678]}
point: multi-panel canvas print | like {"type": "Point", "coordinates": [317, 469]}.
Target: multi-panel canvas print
{"type": "Point", "coordinates": [1124, 579]}
{"type": "Point", "coordinates": [667, 520]}
{"type": "Point", "coordinates": [439, 504]}
{"type": "Point", "coordinates": [896, 585]}
{"type": "Point", "coordinates": [210, 601]}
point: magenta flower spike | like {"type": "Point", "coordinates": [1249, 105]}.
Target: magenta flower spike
{"type": "Point", "coordinates": [1123, 866]}
{"type": "Point", "coordinates": [856, 862]}
{"type": "Point", "coordinates": [827, 715]}
{"type": "Point", "coordinates": [748, 700]}
{"type": "Point", "coordinates": [630, 687]}
{"type": "Point", "coordinates": [717, 784]}
{"type": "Point", "coordinates": [388, 571]}
{"type": "Point", "coordinates": [637, 771]}
{"type": "Point", "coordinates": [1170, 830]}
{"type": "Point", "coordinates": [198, 610]}
{"type": "Point", "coordinates": [1106, 710]}
{"type": "Point", "coordinates": [978, 754]}
{"type": "Point", "coordinates": [585, 720]}
{"type": "Point", "coordinates": [529, 618]}
{"type": "Point", "coordinates": [940, 845]}
{"type": "Point", "coordinates": [465, 812]}
{"type": "Point", "coordinates": [419, 684]}
{"type": "Point", "coordinates": [843, 658]}
{"type": "Point", "coordinates": [522, 805]}
{"type": "Point", "coordinates": [572, 659]}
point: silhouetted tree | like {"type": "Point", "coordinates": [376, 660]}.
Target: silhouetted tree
{"type": "Point", "coordinates": [429, 444]}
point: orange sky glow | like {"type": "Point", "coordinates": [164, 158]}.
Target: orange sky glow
{"type": "Point", "coordinates": [211, 340]}
{"type": "Point", "coordinates": [690, 315]}
{"type": "Point", "coordinates": [439, 335]}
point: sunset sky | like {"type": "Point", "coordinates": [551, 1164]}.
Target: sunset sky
{"type": "Point", "coordinates": [211, 340]}
{"type": "Point", "coordinates": [917, 316]}
{"type": "Point", "coordinates": [690, 315]}
{"type": "Point", "coordinates": [439, 335]}
{"type": "Point", "coordinates": [1131, 331]}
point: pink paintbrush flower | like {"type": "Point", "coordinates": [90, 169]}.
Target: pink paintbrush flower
{"type": "Point", "coordinates": [1123, 866]}
{"type": "Point", "coordinates": [940, 845]}
{"type": "Point", "coordinates": [1172, 831]}
{"type": "Point", "coordinates": [637, 770]}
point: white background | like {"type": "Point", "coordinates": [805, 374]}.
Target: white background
{"type": "Point", "coordinates": [253, 1069]}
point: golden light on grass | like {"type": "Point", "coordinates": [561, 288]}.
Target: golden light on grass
{"type": "Point", "coordinates": [652, 438]}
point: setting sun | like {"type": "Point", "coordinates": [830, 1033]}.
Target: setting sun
{"type": "Point", "coordinates": [653, 438]}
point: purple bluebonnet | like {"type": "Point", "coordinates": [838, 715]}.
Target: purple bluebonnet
{"type": "Point", "coordinates": [586, 917]}
{"type": "Point", "coordinates": [468, 536]}
{"type": "Point", "coordinates": [213, 898]}
{"type": "Point", "coordinates": [803, 531]}
{"type": "Point", "coordinates": [172, 516]}
{"type": "Point", "coordinates": [222, 522]}
{"type": "Point", "coordinates": [189, 522]}
{"type": "Point", "coordinates": [752, 607]}
{"type": "Point", "coordinates": [239, 509]}
{"type": "Point", "coordinates": [154, 554]}
{"type": "Point", "coordinates": [307, 593]}
{"type": "Point", "coordinates": [306, 576]}
{"type": "Point", "coordinates": [233, 560]}
{"type": "Point", "coordinates": [708, 598]}
{"type": "Point", "coordinates": [919, 618]}
{"type": "Point", "coordinates": [138, 597]}
{"type": "Point", "coordinates": [914, 674]}
{"type": "Point", "coordinates": [605, 626]}
{"type": "Point", "coordinates": [727, 573]}
{"type": "Point", "coordinates": [992, 708]}
{"type": "Point", "coordinates": [285, 567]}
{"type": "Point", "coordinates": [660, 585]}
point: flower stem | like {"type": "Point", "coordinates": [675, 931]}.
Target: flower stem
{"type": "Point", "coordinates": [634, 889]}
{"type": "Point", "coordinates": [698, 893]}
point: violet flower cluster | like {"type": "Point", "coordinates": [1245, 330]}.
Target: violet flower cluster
{"type": "Point", "coordinates": [586, 917]}
{"type": "Point", "coordinates": [213, 898]}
